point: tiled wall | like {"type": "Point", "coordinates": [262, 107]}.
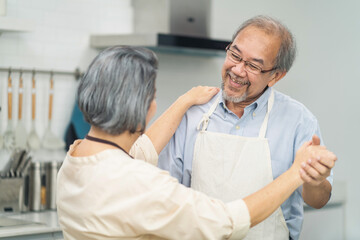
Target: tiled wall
{"type": "Point", "coordinates": [59, 41]}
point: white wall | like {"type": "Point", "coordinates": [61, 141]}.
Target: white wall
{"type": "Point", "coordinates": [59, 41]}
{"type": "Point", "coordinates": [324, 77]}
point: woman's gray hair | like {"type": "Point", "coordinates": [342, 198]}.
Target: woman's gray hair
{"type": "Point", "coordinates": [116, 91]}
{"type": "Point", "coordinates": [287, 50]}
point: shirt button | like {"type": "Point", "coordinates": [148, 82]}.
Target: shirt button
{"type": "Point", "coordinates": [237, 127]}
{"type": "Point", "coordinates": [254, 114]}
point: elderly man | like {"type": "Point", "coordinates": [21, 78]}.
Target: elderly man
{"type": "Point", "coordinates": [248, 134]}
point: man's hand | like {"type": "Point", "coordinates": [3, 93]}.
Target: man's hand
{"type": "Point", "coordinates": [310, 150]}
{"type": "Point", "coordinates": [315, 170]}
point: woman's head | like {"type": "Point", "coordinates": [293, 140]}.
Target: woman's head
{"type": "Point", "coordinates": [118, 88]}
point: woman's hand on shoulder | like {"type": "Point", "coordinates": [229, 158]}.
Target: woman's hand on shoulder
{"type": "Point", "coordinates": [200, 94]}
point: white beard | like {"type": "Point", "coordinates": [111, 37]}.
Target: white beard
{"type": "Point", "coordinates": [232, 98]}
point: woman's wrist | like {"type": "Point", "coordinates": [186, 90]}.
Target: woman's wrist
{"type": "Point", "coordinates": [294, 174]}
{"type": "Point", "coordinates": [186, 101]}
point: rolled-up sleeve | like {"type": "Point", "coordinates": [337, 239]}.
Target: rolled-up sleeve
{"type": "Point", "coordinates": [143, 149]}
{"type": "Point", "coordinates": [241, 218]}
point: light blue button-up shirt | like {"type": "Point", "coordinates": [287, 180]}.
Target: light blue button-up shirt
{"type": "Point", "coordinates": [290, 125]}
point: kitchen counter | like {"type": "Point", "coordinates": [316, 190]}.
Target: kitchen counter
{"type": "Point", "coordinates": [31, 225]}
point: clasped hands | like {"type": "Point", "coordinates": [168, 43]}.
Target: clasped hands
{"type": "Point", "coordinates": [314, 162]}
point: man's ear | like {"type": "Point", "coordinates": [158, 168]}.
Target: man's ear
{"type": "Point", "coordinates": [276, 77]}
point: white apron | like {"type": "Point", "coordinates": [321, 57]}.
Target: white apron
{"type": "Point", "coordinates": [229, 167]}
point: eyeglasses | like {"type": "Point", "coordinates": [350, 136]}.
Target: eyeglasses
{"type": "Point", "coordinates": [249, 66]}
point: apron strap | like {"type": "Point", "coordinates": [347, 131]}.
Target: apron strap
{"type": "Point", "coordinates": [203, 124]}
{"type": "Point", "coordinates": [263, 128]}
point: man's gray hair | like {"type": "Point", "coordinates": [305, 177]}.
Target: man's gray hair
{"type": "Point", "coordinates": [271, 26]}
{"type": "Point", "coordinates": [116, 91]}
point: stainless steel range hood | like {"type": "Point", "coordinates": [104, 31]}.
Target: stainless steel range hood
{"type": "Point", "coordinates": [168, 25]}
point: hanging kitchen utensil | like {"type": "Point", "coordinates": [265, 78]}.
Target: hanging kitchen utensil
{"type": "Point", "coordinates": [9, 138]}
{"type": "Point", "coordinates": [33, 140]}
{"type": "Point", "coordinates": [20, 131]}
{"type": "Point", "coordinates": [50, 140]}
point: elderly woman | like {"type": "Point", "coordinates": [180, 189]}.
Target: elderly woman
{"type": "Point", "coordinates": [106, 192]}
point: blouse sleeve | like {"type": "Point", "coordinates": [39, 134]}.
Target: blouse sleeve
{"type": "Point", "coordinates": [143, 149]}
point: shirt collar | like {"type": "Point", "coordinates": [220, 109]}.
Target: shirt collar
{"type": "Point", "coordinates": [256, 106]}
{"type": "Point", "coordinates": [262, 100]}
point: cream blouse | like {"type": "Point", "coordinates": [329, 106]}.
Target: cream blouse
{"type": "Point", "coordinates": [112, 196]}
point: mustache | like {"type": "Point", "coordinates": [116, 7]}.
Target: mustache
{"type": "Point", "coordinates": [237, 79]}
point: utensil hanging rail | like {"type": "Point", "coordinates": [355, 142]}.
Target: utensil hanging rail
{"type": "Point", "coordinates": [77, 73]}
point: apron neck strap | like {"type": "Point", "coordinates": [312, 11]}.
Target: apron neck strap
{"type": "Point", "coordinates": [203, 124]}
{"type": "Point", "coordinates": [263, 128]}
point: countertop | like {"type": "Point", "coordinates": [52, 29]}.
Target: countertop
{"type": "Point", "coordinates": [31, 223]}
